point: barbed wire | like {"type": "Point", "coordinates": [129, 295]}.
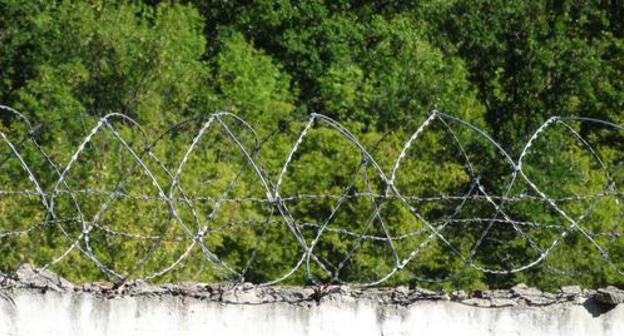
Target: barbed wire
{"type": "Point", "coordinates": [44, 190]}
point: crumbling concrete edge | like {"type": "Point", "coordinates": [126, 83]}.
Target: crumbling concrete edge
{"type": "Point", "coordinates": [30, 279]}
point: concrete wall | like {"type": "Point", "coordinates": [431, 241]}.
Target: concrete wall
{"type": "Point", "coordinates": [171, 311]}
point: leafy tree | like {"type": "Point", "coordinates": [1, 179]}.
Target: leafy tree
{"type": "Point", "coordinates": [378, 68]}
{"type": "Point", "coordinates": [534, 59]}
{"type": "Point", "coordinates": [101, 58]}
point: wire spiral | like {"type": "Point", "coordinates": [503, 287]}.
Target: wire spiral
{"type": "Point", "coordinates": [65, 198]}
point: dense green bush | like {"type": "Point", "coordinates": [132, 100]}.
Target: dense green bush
{"type": "Point", "coordinates": [378, 68]}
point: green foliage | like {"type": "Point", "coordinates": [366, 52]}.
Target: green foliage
{"type": "Point", "coordinates": [249, 83]}
{"type": "Point", "coordinates": [377, 67]}
{"type": "Point", "coordinates": [398, 78]}
{"type": "Point", "coordinates": [533, 59]}
{"type": "Point", "coordinates": [141, 61]}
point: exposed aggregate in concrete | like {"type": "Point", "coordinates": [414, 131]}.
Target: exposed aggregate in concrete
{"type": "Point", "coordinates": [27, 278]}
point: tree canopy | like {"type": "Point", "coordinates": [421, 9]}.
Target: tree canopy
{"type": "Point", "coordinates": [377, 67]}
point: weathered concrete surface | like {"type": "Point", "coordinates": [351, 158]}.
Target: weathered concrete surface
{"type": "Point", "coordinates": [26, 311]}
{"type": "Point", "coordinates": [44, 304]}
